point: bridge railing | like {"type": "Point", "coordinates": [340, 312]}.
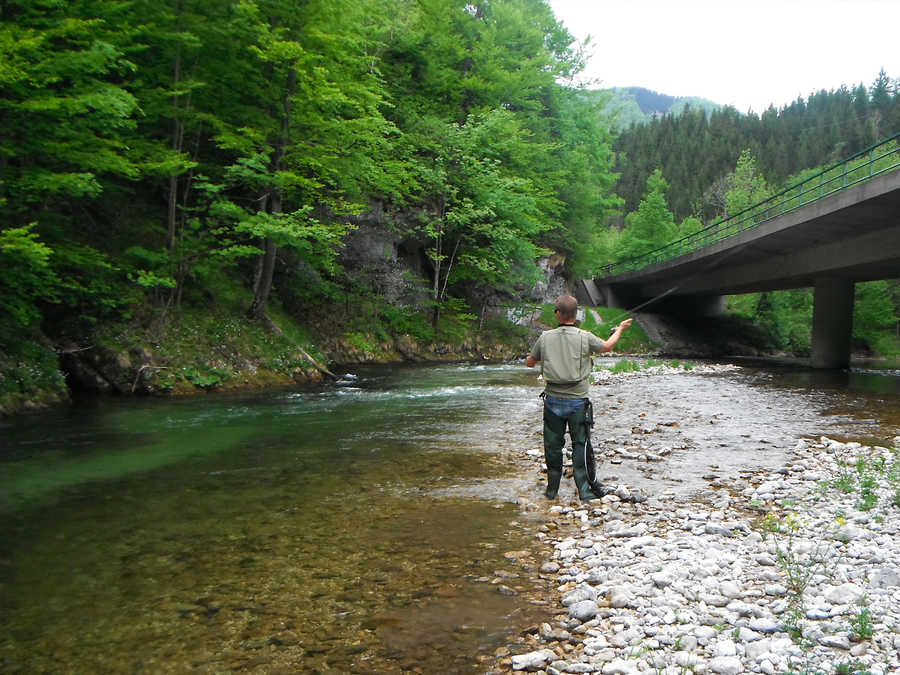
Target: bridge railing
{"type": "Point", "coordinates": [864, 165]}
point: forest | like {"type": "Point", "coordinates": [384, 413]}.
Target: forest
{"type": "Point", "coordinates": [179, 174]}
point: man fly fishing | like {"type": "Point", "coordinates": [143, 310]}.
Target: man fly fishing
{"type": "Point", "coordinates": [564, 355]}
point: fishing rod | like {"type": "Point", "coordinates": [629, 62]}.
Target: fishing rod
{"type": "Point", "coordinates": [715, 263]}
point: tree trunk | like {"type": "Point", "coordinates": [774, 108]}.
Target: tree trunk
{"type": "Point", "coordinates": [177, 139]}
{"type": "Point", "coordinates": [261, 294]}
{"type": "Point", "coordinates": [267, 270]}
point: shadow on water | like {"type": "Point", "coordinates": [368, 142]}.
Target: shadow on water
{"type": "Point", "coordinates": [293, 531]}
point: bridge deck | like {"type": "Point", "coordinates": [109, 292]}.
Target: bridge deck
{"type": "Point", "coordinates": [853, 235]}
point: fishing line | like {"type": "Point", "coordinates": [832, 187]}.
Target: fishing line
{"type": "Point", "coordinates": [715, 263]}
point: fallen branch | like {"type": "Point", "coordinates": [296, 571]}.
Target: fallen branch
{"type": "Point", "coordinates": [319, 366]}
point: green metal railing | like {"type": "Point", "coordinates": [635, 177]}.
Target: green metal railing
{"type": "Point", "coordinates": [864, 165]}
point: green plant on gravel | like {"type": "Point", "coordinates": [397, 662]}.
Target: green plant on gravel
{"type": "Point", "coordinates": [851, 668]}
{"type": "Point", "coordinates": [845, 482]}
{"type": "Point", "coordinates": [626, 366]}
{"type": "Point", "coordinates": [630, 366]}
{"type": "Point", "coordinates": [861, 624]}
{"type": "Point", "coordinates": [798, 565]}
{"type": "Point", "coordinates": [867, 496]}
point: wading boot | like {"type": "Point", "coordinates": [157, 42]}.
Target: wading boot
{"type": "Point", "coordinates": [553, 478]}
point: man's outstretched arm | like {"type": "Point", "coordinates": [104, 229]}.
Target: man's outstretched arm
{"type": "Point", "coordinates": [609, 344]}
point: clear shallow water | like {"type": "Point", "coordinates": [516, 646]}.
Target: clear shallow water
{"type": "Point", "coordinates": [341, 529]}
{"type": "Point", "coordinates": [293, 530]}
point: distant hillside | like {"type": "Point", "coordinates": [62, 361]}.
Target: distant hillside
{"type": "Point", "coordinates": [637, 105]}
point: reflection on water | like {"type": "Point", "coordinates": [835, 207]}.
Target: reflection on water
{"type": "Point", "coordinates": [359, 528]}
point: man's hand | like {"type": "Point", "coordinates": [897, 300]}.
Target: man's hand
{"type": "Point", "coordinates": [624, 325]}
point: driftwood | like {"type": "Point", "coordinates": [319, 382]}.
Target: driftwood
{"type": "Point", "coordinates": [272, 326]}
{"type": "Point", "coordinates": [322, 369]}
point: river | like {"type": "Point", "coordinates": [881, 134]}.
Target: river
{"type": "Point", "coordinates": [384, 526]}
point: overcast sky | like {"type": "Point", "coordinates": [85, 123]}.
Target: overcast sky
{"type": "Point", "coordinates": [745, 53]}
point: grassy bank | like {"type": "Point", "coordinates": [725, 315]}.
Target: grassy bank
{"type": "Point", "coordinates": [215, 346]}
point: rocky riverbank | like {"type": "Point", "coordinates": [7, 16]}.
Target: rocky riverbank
{"type": "Point", "coordinates": [793, 569]}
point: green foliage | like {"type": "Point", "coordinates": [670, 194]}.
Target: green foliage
{"type": "Point", "coordinates": [626, 366]}
{"type": "Point", "coordinates": [690, 225]}
{"type": "Point", "coordinates": [651, 226]}
{"type": "Point", "coordinates": [406, 320]}
{"type": "Point", "coordinates": [204, 378]}
{"type": "Point", "coordinates": [875, 317]}
{"type": "Point", "coordinates": [360, 341]}
{"type": "Point", "coordinates": [26, 276]}
{"type": "Point", "coordinates": [457, 321]}
{"type": "Point", "coordinates": [629, 366]}
{"type": "Point", "coordinates": [746, 186]}
{"type": "Point", "coordinates": [785, 316]}
{"type": "Point", "coordinates": [29, 371]}
{"type": "Point", "coordinates": [861, 624]}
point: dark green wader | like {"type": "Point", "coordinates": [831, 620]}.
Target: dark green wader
{"type": "Point", "coordinates": [555, 439]}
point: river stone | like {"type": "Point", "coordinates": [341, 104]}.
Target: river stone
{"type": "Point", "coordinates": [835, 641]}
{"type": "Point", "coordinates": [686, 659]}
{"type": "Point", "coordinates": [765, 625]}
{"type": "Point", "coordinates": [884, 577]}
{"type": "Point", "coordinates": [705, 633]}
{"type": "Point", "coordinates": [550, 568]}
{"type": "Point", "coordinates": [726, 648]}
{"type": "Point", "coordinates": [754, 650]}
{"type": "Point", "coordinates": [620, 667]}
{"type": "Point", "coordinates": [765, 560]}
{"type": "Point", "coordinates": [533, 660]}
{"type": "Point", "coordinates": [550, 634]}
{"type": "Point", "coordinates": [636, 531]}
{"type": "Point", "coordinates": [730, 589]}
{"type": "Point", "coordinates": [574, 667]}
{"type": "Point", "coordinates": [849, 533]}
{"type": "Point", "coordinates": [661, 579]}
{"type": "Point", "coordinates": [584, 610]}
{"type": "Point", "coordinates": [818, 613]}
{"type": "Point", "coordinates": [728, 665]}
{"type": "Point", "coordinates": [845, 594]}
{"type": "Point", "coordinates": [620, 597]}
{"type": "Point", "coordinates": [583, 592]}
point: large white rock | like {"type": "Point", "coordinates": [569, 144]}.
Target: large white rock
{"type": "Point", "coordinates": [845, 594]}
{"type": "Point", "coordinates": [728, 665]}
{"type": "Point", "coordinates": [534, 660]}
{"type": "Point", "coordinates": [584, 610]}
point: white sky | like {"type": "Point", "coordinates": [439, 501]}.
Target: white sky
{"type": "Point", "coordinates": [745, 53]}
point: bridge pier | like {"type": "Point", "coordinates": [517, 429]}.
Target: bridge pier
{"type": "Point", "coordinates": [832, 322]}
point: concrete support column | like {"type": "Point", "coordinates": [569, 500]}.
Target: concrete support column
{"type": "Point", "coordinates": [832, 323]}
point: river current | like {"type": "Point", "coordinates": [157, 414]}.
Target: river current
{"type": "Point", "coordinates": [375, 527]}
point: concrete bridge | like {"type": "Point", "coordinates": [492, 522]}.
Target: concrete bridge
{"type": "Point", "coordinates": [834, 229]}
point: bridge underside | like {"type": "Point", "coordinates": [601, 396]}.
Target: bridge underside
{"type": "Point", "coordinates": [829, 245]}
